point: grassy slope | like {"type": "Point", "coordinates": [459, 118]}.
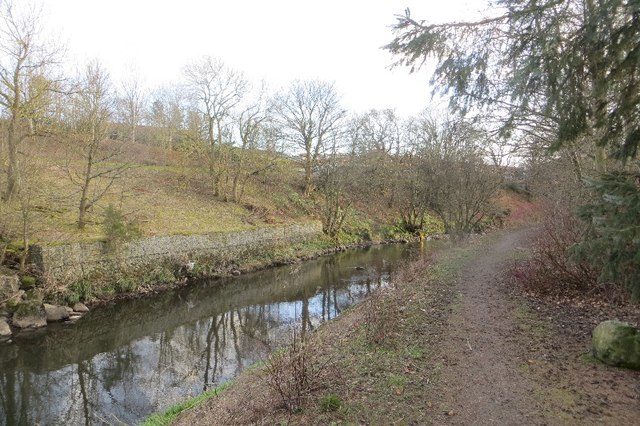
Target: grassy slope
{"type": "Point", "coordinates": [164, 192]}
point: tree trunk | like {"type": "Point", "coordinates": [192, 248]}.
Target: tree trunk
{"type": "Point", "coordinates": [13, 171]}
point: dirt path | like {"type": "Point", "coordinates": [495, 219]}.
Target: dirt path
{"type": "Point", "coordinates": [481, 378]}
{"type": "Point", "coordinates": [508, 361]}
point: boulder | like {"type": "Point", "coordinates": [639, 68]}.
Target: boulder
{"type": "Point", "coordinates": [29, 314]}
{"type": "Point", "coordinates": [9, 286]}
{"type": "Point", "coordinates": [55, 313]}
{"type": "Point", "coordinates": [617, 343]}
{"type": "Point", "coordinates": [80, 307]}
{"type": "Point", "coordinates": [5, 331]}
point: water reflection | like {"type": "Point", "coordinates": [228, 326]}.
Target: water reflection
{"type": "Point", "coordinates": [121, 363]}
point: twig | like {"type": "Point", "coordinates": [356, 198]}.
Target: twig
{"type": "Point", "coordinates": [469, 344]}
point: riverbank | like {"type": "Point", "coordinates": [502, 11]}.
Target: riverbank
{"type": "Point", "coordinates": [88, 273]}
{"type": "Point", "coordinates": [425, 351]}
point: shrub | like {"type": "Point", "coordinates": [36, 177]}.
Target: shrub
{"type": "Point", "coordinates": [330, 402]}
{"type": "Point", "coordinates": [117, 229]}
{"type": "Point", "coordinates": [293, 373]}
{"type": "Point", "coordinates": [549, 269]}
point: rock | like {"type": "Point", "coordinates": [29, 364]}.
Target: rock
{"type": "Point", "coordinates": [69, 310]}
{"type": "Point", "coordinates": [235, 272]}
{"type": "Point", "coordinates": [29, 314]}
{"type": "Point", "coordinates": [5, 331]}
{"type": "Point", "coordinates": [9, 285]}
{"type": "Point", "coordinates": [74, 317]}
{"type": "Point", "coordinates": [617, 343]}
{"type": "Point", "coordinates": [80, 307]}
{"type": "Point", "coordinates": [55, 313]}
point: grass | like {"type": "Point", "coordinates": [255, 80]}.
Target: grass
{"type": "Point", "coordinates": [163, 192]}
{"type": "Point", "coordinates": [167, 416]}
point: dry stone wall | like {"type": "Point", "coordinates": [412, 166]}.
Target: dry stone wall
{"type": "Point", "coordinates": [66, 263]}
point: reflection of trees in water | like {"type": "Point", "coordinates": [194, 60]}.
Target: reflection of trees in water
{"type": "Point", "coordinates": [151, 371]}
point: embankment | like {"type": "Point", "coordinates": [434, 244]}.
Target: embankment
{"type": "Point", "coordinates": [160, 258]}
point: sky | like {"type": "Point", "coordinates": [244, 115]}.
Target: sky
{"type": "Point", "coordinates": [277, 41]}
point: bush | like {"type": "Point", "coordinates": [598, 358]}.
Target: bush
{"type": "Point", "coordinates": [117, 229]}
{"type": "Point", "coordinates": [549, 269]}
{"type": "Point", "coordinates": [330, 402]}
{"type": "Point", "coordinates": [293, 373]}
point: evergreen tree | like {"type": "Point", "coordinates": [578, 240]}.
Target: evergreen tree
{"type": "Point", "coordinates": [569, 69]}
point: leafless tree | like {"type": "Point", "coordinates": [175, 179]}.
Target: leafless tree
{"type": "Point", "coordinates": [131, 104]}
{"type": "Point", "coordinates": [454, 180]}
{"type": "Point", "coordinates": [25, 81]}
{"type": "Point", "coordinates": [215, 90]}
{"type": "Point", "coordinates": [167, 113]}
{"type": "Point", "coordinates": [91, 112]}
{"type": "Point", "coordinates": [309, 113]}
{"type": "Point", "coordinates": [251, 157]}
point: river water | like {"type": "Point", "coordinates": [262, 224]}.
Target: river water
{"type": "Point", "coordinates": [121, 363]}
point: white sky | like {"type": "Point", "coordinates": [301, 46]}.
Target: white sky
{"type": "Point", "coordinates": [275, 40]}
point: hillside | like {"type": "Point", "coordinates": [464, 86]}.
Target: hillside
{"type": "Point", "coordinates": [161, 191]}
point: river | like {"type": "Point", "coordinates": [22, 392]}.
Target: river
{"type": "Point", "coordinates": [121, 363]}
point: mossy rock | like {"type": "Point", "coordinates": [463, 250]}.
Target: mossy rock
{"type": "Point", "coordinates": [617, 344]}
{"type": "Point", "coordinates": [35, 295]}
{"type": "Point", "coordinates": [12, 305]}
{"type": "Point", "coordinates": [29, 314]}
{"type": "Point", "coordinates": [27, 308]}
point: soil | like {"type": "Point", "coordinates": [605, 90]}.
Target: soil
{"type": "Point", "coordinates": [455, 342]}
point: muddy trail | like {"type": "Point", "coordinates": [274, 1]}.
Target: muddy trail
{"type": "Point", "coordinates": [513, 360]}
{"type": "Point", "coordinates": [455, 342]}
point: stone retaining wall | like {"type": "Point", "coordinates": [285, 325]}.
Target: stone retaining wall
{"type": "Point", "coordinates": [63, 264]}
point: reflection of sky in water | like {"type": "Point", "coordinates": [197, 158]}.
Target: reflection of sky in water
{"type": "Point", "coordinates": [126, 383]}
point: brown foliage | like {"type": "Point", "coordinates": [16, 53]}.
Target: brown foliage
{"type": "Point", "coordinates": [549, 270]}
{"type": "Point", "coordinates": [294, 373]}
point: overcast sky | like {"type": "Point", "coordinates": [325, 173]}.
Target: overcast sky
{"type": "Point", "coordinates": [275, 40]}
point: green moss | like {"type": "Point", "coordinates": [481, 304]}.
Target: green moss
{"type": "Point", "coordinates": [27, 282]}
{"type": "Point", "coordinates": [27, 308]}
{"type": "Point", "coordinates": [617, 343]}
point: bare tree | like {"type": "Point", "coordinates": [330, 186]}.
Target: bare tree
{"type": "Point", "coordinates": [25, 63]}
{"type": "Point", "coordinates": [454, 181]}
{"type": "Point", "coordinates": [375, 137]}
{"type": "Point", "coordinates": [309, 114]}
{"type": "Point", "coordinates": [215, 90]}
{"type": "Point", "coordinates": [336, 185]}
{"type": "Point", "coordinates": [91, 112]}
{"type": "Point", "coordinates": [131, 104]}
{"type": "Point", "coordinates": [248, 161]}
{"type": "Point", "coordinates": [167, 113]}
{"type": "Point", "coordinates": [375, 131]}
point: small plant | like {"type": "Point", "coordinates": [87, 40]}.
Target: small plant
{"type": "Point", "coordinates": [27, 282]}
{"type": "Point", "coordinates": [79, 291]}
{"type": "Point", "coordinates": [117, 229]}
{"type": "Point", "coordinates": [380, 318]}
{"type": "Point", "coordinates": [330, 402]}
{"type": "Point", "coordinates": [397, 381]}
{"type": "Point", "coordinates": [293, 373]}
